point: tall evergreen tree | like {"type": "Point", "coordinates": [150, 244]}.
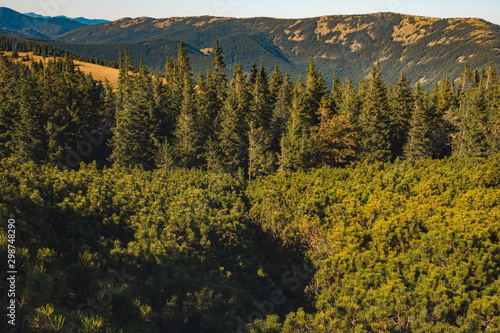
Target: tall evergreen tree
{"type": "Point", "coordinates": [233, 132]}
{"type": "Point", "coordinates": [443, 105]}
{"type": "Point", "coordinates": [350, 103]}
{"type": "Point", "coordinates": [260, 105]}
{"type": "Point", "coordinates": [470, 118]}
{"type": "Point", "coordinates": [8, 105]}
{"type": "Point", "coordinates": [232, 135]}
{"type": "Point", "coordinates": [492, 87]}
{"type": "Point", "coordinates": [295, 142]}
{"type": "Point", "coordinates": [275, 83]}
{"type": "Point", "coordinates": [30, 126]}
{"type": "Point", "coordinates": [219, 76]}
{"type": "Point", "coordinates": [187, 145]}
{"type": "Point", "coordinates": [402, 105]}
{"type": "Point", "coordinates": [316, 90]}
{"type": "Point", "coordinates": [374, 140]}
{"type": "Point", "coordinates": [134, 135]}
{"type": "Point", "coordinates": [417, 142]}
{"type": "Point", "coordinates": [262, 160]}
{"type": "Point", "coordinates": [336, 95]}
{"type": "Point", "coordinates": [208, 107]}
{"type": "Point", "coordinates": [281, 111]}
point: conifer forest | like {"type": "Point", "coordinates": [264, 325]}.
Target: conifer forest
{"type": "Point", "coordinates": [183, 202]}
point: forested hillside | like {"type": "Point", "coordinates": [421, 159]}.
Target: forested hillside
{"type": "Point", "coordinates": [12, 21]}
{"type": "Point", "coordinates": [252, 203]}
{"type": "Point", "coordinates": [425, 49]}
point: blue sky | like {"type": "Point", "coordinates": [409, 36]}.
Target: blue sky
{"type": "Point", "coordinates": [115, 9]}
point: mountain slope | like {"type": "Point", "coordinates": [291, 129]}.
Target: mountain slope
{"type": "Point", "coordinates": [12, 21]}
{"type": "Point", "coordinates": [81, 20]}
{"type": "Point", "coordinates": [425, 49]}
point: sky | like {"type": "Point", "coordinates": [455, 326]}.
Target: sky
{"type": "Point", "coordinates": [116, 9]}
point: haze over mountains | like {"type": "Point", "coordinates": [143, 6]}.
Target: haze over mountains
{"type": "Point", "coordinates": [425, 49]}
{"type": "Point", "coordinates": [81, 20]}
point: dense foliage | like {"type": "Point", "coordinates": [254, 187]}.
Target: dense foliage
{"type": "Point", "coordinates": [252, 204]}
{"type": "Point", "coordinates": [257, 124]}
{"type": "Point", "coordinates": [41, 48]}
{"type": "Point", "coordinates": [401, 247]}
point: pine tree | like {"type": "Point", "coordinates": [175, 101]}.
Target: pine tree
{"type": "Point", "coordinates": [417, 143]}
{"type": "Point", "coordinates": [374, 140]}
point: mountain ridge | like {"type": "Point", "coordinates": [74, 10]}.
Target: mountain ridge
{"type": "Point", "coordinates": [426, 49]}
{"type": "Point", "coordinates": [80, 19]}
{"type": "Point", "coordinates": [12, 21]}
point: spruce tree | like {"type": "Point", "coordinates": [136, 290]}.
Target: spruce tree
{"type": "Point", "coordinates": [208, 106]}
{"type": "Point", "coordinates": [440, 113]}
{"type": "Point", "coordinates": [374, 140]}
{"type": "Point", "coordinates": [417, 142]}
{"type": "Point", "coordinates": [275, 83]}
{"type": "Point", "coordinates": [187, 146]}
{"type": "Point", "coordinates": [492, 87]}
{"type": "Point", "coordinates": [295, 144]}
{"type": "Point", "coordinates": [316, 90]}
{"type": "Point", "coordinates": [402, 104]}
{"type": "Point", "coordinates": [30, 126]}
{"type": "Point", "coordinates": [59, 121]}
{"type": "Point", "coordinates": [232, 136]}
{"type": "Point", "coordinates": [233, 132]}
{"type": "Point", "coordinates": [281, 111]}
{"type": "Point", "coordinates": [469, 138]}
{"type": "Point", "coordinates": [336, 95]}
{"type": "Point", "coordinates": [133, 140]}
{"type": "Point", "coordinates": [333, 142]}
{"type": "Point", "coordinates": [350, 105]}
{"type": "Point", "coordinates": [219, 76]}
{"type": "Point", "coordinates": [8, 105]}
{"type": "Point", "coordinates": [262, 160]}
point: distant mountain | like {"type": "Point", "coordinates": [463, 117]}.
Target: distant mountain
{"type": "Point", "coordinates": [425, 49]}
{"type": "Point", "coordinates": [81, 20]}
{"type": "Point", "coordinates": [14, 22]}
